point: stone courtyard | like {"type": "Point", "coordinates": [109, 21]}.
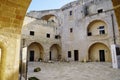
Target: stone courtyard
{"type": "Point", "coordinates": [74, 71]}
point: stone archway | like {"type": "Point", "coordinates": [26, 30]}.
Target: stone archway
{"type": "Point", "coordinates": [97, 27]}
{"type": "Point", "coordinates": [35, 52]}
{"type": "Point", "coordinates": [12, 14]}
{"type": "Point", "coordinates": [11, 18]}
{"type": "Point", "coordinates": [99, 52]}
{"type": "Point", "coordinates": [55, 52]}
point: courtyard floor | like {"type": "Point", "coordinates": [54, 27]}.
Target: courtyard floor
{"type": "Point", "coordinates": [74, 71]}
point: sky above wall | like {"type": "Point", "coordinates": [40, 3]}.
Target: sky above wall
{"type": "Point", "coordinates": [37, 5]}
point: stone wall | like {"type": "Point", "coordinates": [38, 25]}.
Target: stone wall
{"type": "Point", "coordinates": [11, 18]}
{"type": "Point", "coordinates": [74, 20]}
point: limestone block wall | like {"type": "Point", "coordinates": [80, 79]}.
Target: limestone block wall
{"type": "Point", "coordinates": [27, 20]}
{"type": "Point", "coordinates": [11, 18]}
{"type": "Point", "coordinates": [79, 39]}
{"type": "Point", "coordinates": [75, 21]}
{"type": "Point", "coordinates": [41, 29]}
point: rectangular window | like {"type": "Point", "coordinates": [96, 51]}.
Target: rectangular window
{"type": "Point", "coordinates": [32, 33]}
{"type": "Point", "coordinates": [48, 35]}
{"type": "Point", "coordinates": [89, 34]}
{"type": "Point", "coordinates": [71, 30]}
{"type": "Point", "coordinates": [86, 12]}
{"type": "Point", "coordinates": [101, 30]}
{"type": "Point", "coordinates": [69, 54]}
{"type": "Point", "coordinates": [56, 36]}
{"type": "Point", "coordinates": [100, 10]}
{"type": "Point", "coordinates": [70, 13]}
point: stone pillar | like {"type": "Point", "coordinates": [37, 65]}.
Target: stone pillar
{"type": "Point", "coordinates": [12, 14]}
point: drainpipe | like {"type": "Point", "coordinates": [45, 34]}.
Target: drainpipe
{"type": "Point", "coordinates": [114, 37]}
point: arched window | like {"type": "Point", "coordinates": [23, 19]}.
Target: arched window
{"type": "Point", "coordinates": [50, 20]}
{"type": "Point", "coordinates": [97, 27]}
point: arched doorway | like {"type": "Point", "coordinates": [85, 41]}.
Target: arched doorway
{"type": "Point", "coordinates": [99, 52]}
{"type": "Point", "coordinates": [35, 52]}
{"type": "Point", "coordinates": [55, 52]}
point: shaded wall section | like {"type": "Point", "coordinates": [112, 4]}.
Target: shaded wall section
{"type": "Point", "coordinates": [116, 5]}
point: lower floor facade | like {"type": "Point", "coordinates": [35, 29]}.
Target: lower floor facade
{"type": "Point", "coordinates": [96, 52]}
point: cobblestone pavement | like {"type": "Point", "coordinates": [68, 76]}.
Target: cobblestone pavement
{"type": "Point", "coordinates": [74, 71]}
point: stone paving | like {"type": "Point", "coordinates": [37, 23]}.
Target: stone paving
{"type": "Point", "coordinates": [74, 71]}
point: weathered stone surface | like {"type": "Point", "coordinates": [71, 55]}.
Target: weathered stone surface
{"type": "Point", "coordinates": [74, 29]}
{"type": "Point", "coordinates": [10, 30]}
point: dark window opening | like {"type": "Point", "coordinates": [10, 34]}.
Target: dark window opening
{"type": "Point", "coordinates": [89, 34]}
{"type": "Point", "coordinates": [101, 27]}
{"type": "Point", "coordinates": [85, 10]}
{"type": "Point", "coordinates": [70, 13]}
{"type": "Point", "coordinates": [32, 33]}
{"type": "Point", "coordinates": [101, 30]}
{"type": "Point", "coordinates": [57, 36]}
{"type": "Point", "coordinates": [100, 10]}
{"type": "Point", "coordinates": [71, 30]}
{"type": "Point", "coordinates": [69, 54]}
{"type": "Point", "coordinates": [52, 20]}
{"type": "Point", "coordinates": [48, 35]}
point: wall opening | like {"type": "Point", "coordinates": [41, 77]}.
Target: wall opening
{"type": "Point", "coordinates": [35, 52]}
{"type": "Point", "coordinates": [99, 52]}
{"type": "Point", "coordinates": [97, 27]}
{"type": "Point", "coordinates": [76, 55]}
{"type": "Point", "coordinates": [55, 52]}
